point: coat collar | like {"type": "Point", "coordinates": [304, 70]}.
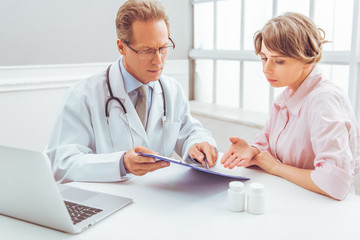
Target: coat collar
{"type": "Point", "coordinates": [157, 108]}
{"type": "Point", "coordinates": [119, 91]}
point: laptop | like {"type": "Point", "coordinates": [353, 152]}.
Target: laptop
{"type": "Point", "coordinates": [29, 192]}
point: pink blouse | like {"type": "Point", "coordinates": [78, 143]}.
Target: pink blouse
{"type": "Point", "coordinates": [315, 128]}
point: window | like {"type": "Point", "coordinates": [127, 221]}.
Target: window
{"type": "Point", "coordinates": [226, 70]}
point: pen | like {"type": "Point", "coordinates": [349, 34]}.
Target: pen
{"type": "Point", "coordinates": [206, 163]}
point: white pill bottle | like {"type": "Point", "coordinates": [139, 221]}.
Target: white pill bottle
{"type": "Point", "coordinates": [256, 199]}
{"type": "Point", "coordinates": [236, 196]}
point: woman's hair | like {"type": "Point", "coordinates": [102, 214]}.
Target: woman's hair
{"type": "Point", "coordinates": [293, 35]}
{"type": "Point", "coordinates": [138, 10]}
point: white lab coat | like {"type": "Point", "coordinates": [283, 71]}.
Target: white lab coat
{"type": "Point", "coordinates": [80, 147]}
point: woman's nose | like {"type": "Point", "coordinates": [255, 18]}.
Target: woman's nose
{"type": "Point", "coordinates": [267, 67]}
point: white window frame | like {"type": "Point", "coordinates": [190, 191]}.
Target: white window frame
{"type": "Point", "coordinates": [350, 58]}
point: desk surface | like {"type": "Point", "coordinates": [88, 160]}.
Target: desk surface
{"type": "Point", "coordinates": [182, 203]}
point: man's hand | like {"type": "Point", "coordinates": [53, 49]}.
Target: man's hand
{"type": "Point", "coordinates": [200, 150]}
{"type": "Point", "coordinates": [140, 165]}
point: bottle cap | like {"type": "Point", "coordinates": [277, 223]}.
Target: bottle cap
{"type": "Point", "coordinates": [256, 188]}
{"type": "Point", "coordinates": [236, 186]}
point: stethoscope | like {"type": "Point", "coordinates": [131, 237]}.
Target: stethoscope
{"type": "Point", "coordinates": [112, 98]}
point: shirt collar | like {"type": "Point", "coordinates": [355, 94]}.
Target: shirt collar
{"type": "Point", "coordinates": [130, 82]}
{"type": "Point", "coordinates": [294, 101]}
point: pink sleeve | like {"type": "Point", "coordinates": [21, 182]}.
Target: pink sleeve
{"type": "Point", "coordinates": [330, 126]}
{"type": "Point", "coordinates": [262, 139]}
{"type": "Point", "coordinates": [332, 179]}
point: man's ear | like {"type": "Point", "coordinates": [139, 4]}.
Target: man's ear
{"type": "Point", "coordinates": [121, 46]}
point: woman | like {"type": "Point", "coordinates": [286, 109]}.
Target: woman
{"type": "Point", "coordinates": [312, 137]}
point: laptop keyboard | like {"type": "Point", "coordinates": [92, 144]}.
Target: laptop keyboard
{"type": "Point", "coordinates": [80, 212]}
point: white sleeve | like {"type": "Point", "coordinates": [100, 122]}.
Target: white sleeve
{"type": "Point", "coordinates": [72, 150]}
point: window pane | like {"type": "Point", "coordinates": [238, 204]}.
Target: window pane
{"type": "Point", "coordinates": [227, 83]}
{"type": "Point", "coordinates": [293, 6]}
{"type": "Point", "coordinates": [204, 80]}
{"type": "Point", "coordinates": [336, 21]}
{"type": "Point", "coordinates": [338, 74]}
{"type": "Point", "coordinates": [256, 88]}
{"type": "Point", "coordinates": [228, 25]}
{"type": "Point", "coordinates": [204, 25]}
{"type": "Point", "coordinates": [255, 19]}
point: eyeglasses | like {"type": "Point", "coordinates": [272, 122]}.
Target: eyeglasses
{"type": "Point", "coordinates": [149, 53]}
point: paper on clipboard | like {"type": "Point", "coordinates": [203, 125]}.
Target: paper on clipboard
{"type": "Point", "coordinates": [217, 169]}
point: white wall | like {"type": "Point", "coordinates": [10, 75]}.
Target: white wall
{"type": "Point", "coordinates": [36, 32]}
{"type": "Point", "coordinates": [27, 117]}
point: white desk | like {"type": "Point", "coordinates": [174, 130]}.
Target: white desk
{"type": "Point", "coordinates": [181, 203]}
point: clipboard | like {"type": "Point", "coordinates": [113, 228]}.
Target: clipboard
{"type": "Point", "coordinates": [217, 169]}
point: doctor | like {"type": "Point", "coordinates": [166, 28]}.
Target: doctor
{"type": "Point", "coordinates": [105, 119]}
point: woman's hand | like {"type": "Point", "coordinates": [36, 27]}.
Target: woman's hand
{"type": "Point", "coordinates": [266, 161]}
{"type": "Point", "coordinates": [239, 153]}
